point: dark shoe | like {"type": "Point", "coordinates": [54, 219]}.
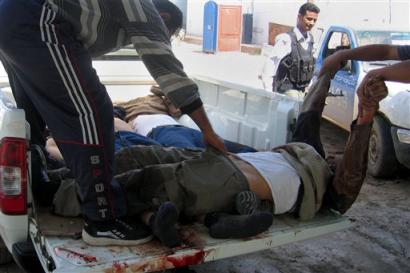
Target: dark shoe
{"type": "Point", "coordinates": [163, 225]}
{"type": "Point", "coordinates": [247, 202]}
{"type": "Point", "coordinates": [225, 226]}
{"type": "Point", "coordinates": [114, 232]}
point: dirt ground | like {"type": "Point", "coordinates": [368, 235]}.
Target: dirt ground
{"type": "Point", "coordinates": [378, 242]}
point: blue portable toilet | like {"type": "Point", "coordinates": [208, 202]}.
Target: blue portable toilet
{"type": "Point", "coordinates": [209, 38]}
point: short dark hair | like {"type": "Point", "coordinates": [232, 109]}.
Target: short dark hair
{"type": "Point", "coordinates": [308, 7]}
{"type": "Point", "coordinates": [175, 22]}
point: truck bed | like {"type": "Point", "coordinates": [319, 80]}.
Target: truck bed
{"type": "Point", "coordinates": [239, 113]}
{"type": "Point", "coordinates": [68, 253]}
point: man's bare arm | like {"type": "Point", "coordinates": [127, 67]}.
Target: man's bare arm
{"type": "Point", "coordinates": [210, 137]}
{"type": "Point", "coordinates": [363, 53]}
{"type": "Point", "coordinates": [396, 73]}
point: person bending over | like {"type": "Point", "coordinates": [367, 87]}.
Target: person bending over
{"type": "Point", "coordinates": [47, 46]}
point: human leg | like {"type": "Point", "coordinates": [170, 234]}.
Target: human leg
{"type": "Point", "coordinates": [37, 124]}
{"type": "Point", "coordinates": [184, 137]}
{"type": "Point", "coordinates": [39, 156]}
{"type": "Point", "coordinates": [196, 182]}
{"type": "Point", "coordinates": [163, 224]}
{"type": "Point", "coordinates": [308, 123]}
{"type": "Point", "coordinates": [223, 225]}
{"type": "Point", "coordinates": [248, 202]}
{"type": "Point", "coordinates": [137, 157]}
{"type": "Point", "coordinates": [351, 170]}
{"type": "Point", "coordinates": [59, 80]}
{"type": "Point", "coordinates": [177, 136]}
{"type": "Point", "coordinates": [126, 139]}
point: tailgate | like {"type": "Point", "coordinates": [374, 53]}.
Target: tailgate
{"type": "Point", "coordinates": [67, 254]}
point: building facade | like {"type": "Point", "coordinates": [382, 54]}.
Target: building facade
{"type": "Point", "coordinates": [378, 13]}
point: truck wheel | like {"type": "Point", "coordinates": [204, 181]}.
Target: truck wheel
{"type": "Point", "coordinates": [382, 157]}
{"type": "Point", "coordinates": [5, 256]}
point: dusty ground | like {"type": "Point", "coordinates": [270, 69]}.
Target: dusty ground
{"type": "Point", "coordinates": [378, 242]}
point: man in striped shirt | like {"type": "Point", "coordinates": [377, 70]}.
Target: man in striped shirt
{"type": "Point", "coordinates": [46, 47]}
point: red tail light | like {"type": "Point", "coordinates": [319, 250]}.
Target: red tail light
{"type": "Point", "coordinates": [13, 176]}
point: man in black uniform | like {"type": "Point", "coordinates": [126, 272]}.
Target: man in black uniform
{"type": "Point", "coordinates": [291, 64]}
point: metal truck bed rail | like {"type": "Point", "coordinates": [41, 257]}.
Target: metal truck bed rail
{"type": "Point", "coordinates": [73, 255]}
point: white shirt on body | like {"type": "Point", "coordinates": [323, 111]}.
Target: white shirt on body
{"type": "Point", "coordinates": [282, 48]}
{"type": "Point", "coordinates": [143, 124]}
{"type": "Point", "coordinates": [281, 177]}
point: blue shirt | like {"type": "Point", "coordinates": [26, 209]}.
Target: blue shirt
{"type": "Point", "coordinates": [125, 139]}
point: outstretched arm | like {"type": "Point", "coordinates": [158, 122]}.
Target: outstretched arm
{"type": "Point", "coordinates": [210, 137]}
{"type": "Point", "coordinates": [397, 73]}
{"type": "Point", "coordinates": [363, 53]}
{"type": "Point", "coordinates": [351, 171]}
{"type": "Point", "coordinates": [151, 39]}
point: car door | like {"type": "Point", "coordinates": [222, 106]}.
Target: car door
{"type": "Point", "coordinates": [340, 102]}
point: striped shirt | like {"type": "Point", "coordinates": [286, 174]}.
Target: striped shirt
{"type": "Point", "coordinates": [107, 25]}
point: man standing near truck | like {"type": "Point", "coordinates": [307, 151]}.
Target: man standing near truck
{"type": "Point", "coordinates": [46, 47]}
{"type": "Point", "coordinates": [291, 62]}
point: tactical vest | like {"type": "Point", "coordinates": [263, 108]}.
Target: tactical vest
{"type": "Point", "coordinates": [296, 69]}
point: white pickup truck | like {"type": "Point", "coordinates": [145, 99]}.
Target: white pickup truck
{"type": "Point", "coordinates": [238, 113]}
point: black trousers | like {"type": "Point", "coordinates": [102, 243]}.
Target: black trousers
{"type": "Point", "coordinates": [307, 130]}
{"type": "Point", "coordinates": [52, 79]}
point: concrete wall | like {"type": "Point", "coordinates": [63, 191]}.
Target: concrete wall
{"type": "Point", "coordinates": [377, 13]}
{"type": "Point", "coordinates": [195, 17]}
{"type": "Point", "coordinates": [195, 14]}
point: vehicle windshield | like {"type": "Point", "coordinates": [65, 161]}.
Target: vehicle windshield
{"type": "Point", "coordinates": [382, 37]}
